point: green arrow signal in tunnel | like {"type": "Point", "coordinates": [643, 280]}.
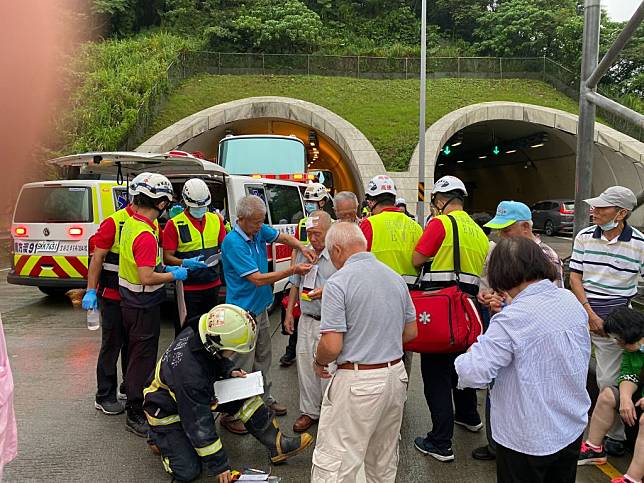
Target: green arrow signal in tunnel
{"type": "Point", "coordinates": [447, 150]}
{"type": "Point", "coordinates": [496, 150]}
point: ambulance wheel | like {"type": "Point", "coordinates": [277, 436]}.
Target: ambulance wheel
{"type": "Point", "coordinates": [55, 292]}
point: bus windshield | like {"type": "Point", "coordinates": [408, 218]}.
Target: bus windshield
{"type": "Point", "coordinates": [262, 155]}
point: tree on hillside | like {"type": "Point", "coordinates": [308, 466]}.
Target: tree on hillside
{"type": "Point", "coordinates": [269, 26]}
{"type": "Point", "coordinates": [522, 27]}
{"type": "Point", "coordinates": [458, 17]}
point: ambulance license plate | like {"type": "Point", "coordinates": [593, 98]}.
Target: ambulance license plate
{"type": "Point", "coordinates": [46, 246]}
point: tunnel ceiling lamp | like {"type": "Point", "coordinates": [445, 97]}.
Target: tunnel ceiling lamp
{"type": "Point", "coordinates": [441, 164]}
{"type": "Point", "coordinates": [313, 138]}
{"type": "Point", "coordinates": [457, 139]}
{"type": "Point", "coordinates": [460, 161]}
{"type": "Point", "coordinates": [511, 151]}
{"type": "Point", "coordinates": [483, 157]}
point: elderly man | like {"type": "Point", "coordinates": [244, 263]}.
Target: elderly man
{"type": "Point", "coordinates": [309, 289]}
{"type": "Point", "coordinates": [514, 219]}
{"type": "Point", "coordinates": [607, 261]}
{"type": "Point", "coordinates": [249, 284]}
{"type": "Point", "coordinates": [367, 315]}
{"type": "Point", "coordinates": [345, 205]}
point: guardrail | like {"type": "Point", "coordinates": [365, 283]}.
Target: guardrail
{"type": "Point", "coordinates": [191, 63]}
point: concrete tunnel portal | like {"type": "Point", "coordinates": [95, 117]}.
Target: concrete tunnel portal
{"type": "Point", "coordinates": [501, 150]}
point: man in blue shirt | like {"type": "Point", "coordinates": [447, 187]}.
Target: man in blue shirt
{"type": "Point", "coordinates": [249, 284]}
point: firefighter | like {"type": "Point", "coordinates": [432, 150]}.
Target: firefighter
{"type": "Point", "coordinates": [141, 286]}
{"type": "Point", "coordinates": [189, 238]}
{"type": "Point", "coordinates": [391, 235]}
{"type": "Point", "coordinates": [180, 398]}
{"type": "Point", "coordinates": [316, 197]}
{"type": "Point", "coordinates": [103, 283]}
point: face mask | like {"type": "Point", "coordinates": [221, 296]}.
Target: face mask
{"type": "Point", "coordinates": [198, 212]}
{"type": "Point", "coordinates": [310, 207]}
{"type": "Point", "coordinates": [610, 225]}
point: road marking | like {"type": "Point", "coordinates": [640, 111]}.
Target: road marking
{"type": "Point", "coordinates": [567, 238]}
{"type": "Point", "coordinates": [609, 470]}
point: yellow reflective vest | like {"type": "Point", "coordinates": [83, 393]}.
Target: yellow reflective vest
{"type": "Point", "coordinates": [474, 246]}
{"type": "Point", "coordinates": [193, 243]}
{"type": "Point", "coordinates": [132, 291]}
{"type": "Point", "coordinates": [395, 236]}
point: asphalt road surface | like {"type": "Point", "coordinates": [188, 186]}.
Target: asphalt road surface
{"type": "Point", "coordinates": [63, 438]}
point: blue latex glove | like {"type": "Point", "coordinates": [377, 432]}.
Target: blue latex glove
{"type": "Point", "coordinates": [89, 300]}
{"type": "Point", "coordinates": [194, 263]}
{"type": "Point", "coordinates": [180, 273]}
{"type": "Point", "coordinates": [170, 268]}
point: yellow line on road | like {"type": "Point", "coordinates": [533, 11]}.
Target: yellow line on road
{"type": "Point", "coordinates": [609, 470]}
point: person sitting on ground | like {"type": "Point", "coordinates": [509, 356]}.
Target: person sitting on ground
{"type": "Point", "coordinates": [180, 396]}
{"type": "Point", "coordinates": [626, 326]}
{"type": "Point", "coordinates": [536, 350]}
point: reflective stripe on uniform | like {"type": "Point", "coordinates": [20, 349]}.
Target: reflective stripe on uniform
{"type": "Point", "coordinates": [174, 418]}
{"type": "Point", "coordinates": [111, 267]}
{"type": "Point", "coordinates": [248, 409]}
{"type": "Point", "coordinates": [450, 277]}
{"type": "Point", "coordinates": [212, 448]}
{"type": "Point", "coordinates": [409, 280]}
{"type": "Point", "coordinates": [157, 383]}
{"type": "Point", "coordinates": [133, 287]}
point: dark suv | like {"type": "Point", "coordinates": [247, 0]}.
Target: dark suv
{"type": "Point", "coordinates": [554, 216]}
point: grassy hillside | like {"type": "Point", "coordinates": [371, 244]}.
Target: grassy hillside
{"type": "Point", "coordinates": [386, 111]}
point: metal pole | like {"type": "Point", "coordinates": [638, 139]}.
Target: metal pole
{"type": "Point", "coordinates": [616, 48]}
{"type": "Point", "coordinates": [586, 126]}
{"type": "Point", "coordinates": [405, 68]}
{"type": "Point", "coordinates": [420, 208]}
{"type": "Point", "coordinates": [616, 108]}
{"type": "Point", "coordinates": [501, 66]}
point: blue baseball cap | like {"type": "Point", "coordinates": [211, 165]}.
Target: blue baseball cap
{"type": "Point", "coordinates": [508, 213]}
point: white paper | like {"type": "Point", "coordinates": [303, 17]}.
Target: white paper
{"type": "Point", "coordinates": [309, 278]}
{"type": "Point", "coordinates": [237, 388]}
{"type": "Point", "coordinates": [253, 478]}
{"type": "Point", "coordinates": [213, 260]}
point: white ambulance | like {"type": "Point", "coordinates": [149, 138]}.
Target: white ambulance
{"type": "Point", "coordinates": [283, 199]}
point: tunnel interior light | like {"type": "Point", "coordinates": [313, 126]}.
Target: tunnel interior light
{"type": "Point", "coordinates": [483, 157]}
{"type": "Point", "coordinates": [536, 145]}
{"type": "Point", "coordinates": [457, 143]}
{"type": "Point", "coordinates": [460, 161]}
{"type": "Point", "coordinates": [441, 164]}
{"type": "Point", "coordinates": [457, 139]}
{"type": "Point", "coordinates": [511, 151]}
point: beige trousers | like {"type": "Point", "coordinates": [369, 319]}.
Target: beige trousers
{"type": "Point", "coordinates": [311, 386]}
{"type": "Point", "coordinates": [360, 423]}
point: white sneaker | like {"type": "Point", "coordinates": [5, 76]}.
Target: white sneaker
{"type": "Point", "coordinates": [473, 428]}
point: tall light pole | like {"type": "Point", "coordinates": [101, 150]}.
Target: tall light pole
{"type": "Point", "coordinates": [420, 208]}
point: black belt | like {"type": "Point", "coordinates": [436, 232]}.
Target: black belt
{"type": "Point", "coordinates": [316, 317]}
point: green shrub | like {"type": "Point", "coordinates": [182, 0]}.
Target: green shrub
{"type": "Point", "coordinates": [113, 80]}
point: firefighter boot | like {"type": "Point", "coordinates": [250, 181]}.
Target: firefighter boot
{"type": "Point", "coordinates": [265, 428]}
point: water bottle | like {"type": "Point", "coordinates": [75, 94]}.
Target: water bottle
{"type": "Point", "coordinates": [93, 319]}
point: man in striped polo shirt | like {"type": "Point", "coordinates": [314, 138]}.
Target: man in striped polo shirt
{"type": "Point", "coordinates": [606, 263]}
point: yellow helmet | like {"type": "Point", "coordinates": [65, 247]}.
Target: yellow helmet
{"type": "Point", "coordinates": [227, 327]}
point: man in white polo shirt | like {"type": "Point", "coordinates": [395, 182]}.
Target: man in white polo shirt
{"type": "Point", "coordinates": [606, 263]}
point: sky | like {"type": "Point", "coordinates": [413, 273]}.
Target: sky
{"type": "Point", "coordinates": [620, 10]}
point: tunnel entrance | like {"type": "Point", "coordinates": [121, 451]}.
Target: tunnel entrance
{"type": "Point", "coordinates": [501, 160]}
{"type": "Point", "coordinates": [341, 150]}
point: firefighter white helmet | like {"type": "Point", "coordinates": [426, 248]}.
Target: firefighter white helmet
{"type": "Point", "coordinates": [315, 192]}
{"type": "Point", "coordinates": [195, 193]}
{"type": "Point", "coordinates": [447, 184]}
{"type": "Point", "coordinates": [227, 327]}
{"type": "Point", "coordinates": [381, 184]}
{"type": "Point", "coordinates": [153, 185]}
{"type": "Point", "coordinates": [135, 182]}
